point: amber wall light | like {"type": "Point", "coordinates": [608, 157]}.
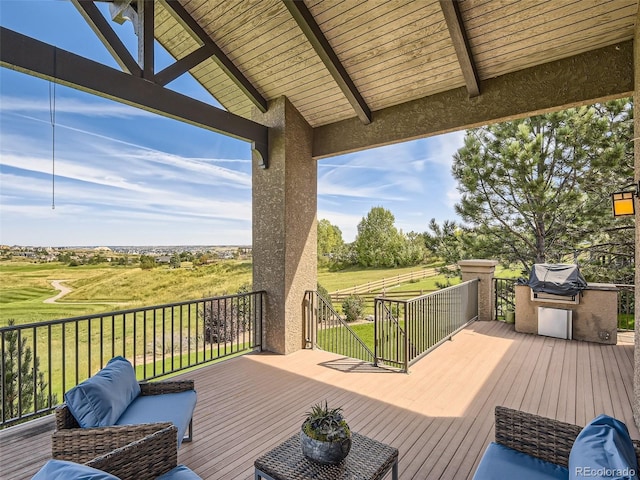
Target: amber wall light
{"type": "Point", "coordinates": [623, 202]}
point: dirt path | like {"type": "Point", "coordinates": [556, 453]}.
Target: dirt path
{"type": "Point", "coordinates": [62, 291]}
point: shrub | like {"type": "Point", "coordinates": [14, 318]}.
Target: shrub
{"type": "Point", "coordinates": [221, 320]}
{"type": "Point", "coordinates": [226, 318]}
{"type": "Point", "coordinates": [353, 308]}
{"type": "Point", "coordinates": [324, 294]}
{"type": "Point", "coordinates": [324, 313]}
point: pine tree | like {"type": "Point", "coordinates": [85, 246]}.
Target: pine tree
{"type": "Point", "coordinates": [17, 378]}
{"type": "Point", "coordinates": [538, 189]}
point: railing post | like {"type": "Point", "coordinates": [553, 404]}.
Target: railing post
{"type": "Point", "coordinates": [376, 319]}
{"type": "Point", "coordinates": [314, 305]}
{"type": "Point", "coordinates": [406, 340]}
{"type": "Point", "coordinates": [311, 318]}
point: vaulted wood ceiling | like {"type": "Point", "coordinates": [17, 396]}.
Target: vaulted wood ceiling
{"type": "Point", "coordinates": [393, 51]}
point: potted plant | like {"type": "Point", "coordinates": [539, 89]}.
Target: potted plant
{"type": "Point", "coordinates": [510, 315]}
{"type": "Point", "coordinates": [325, 436]}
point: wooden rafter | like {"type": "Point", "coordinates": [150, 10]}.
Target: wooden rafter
{"type": "Point", "coordinates": [107, 36]}
{"type": "Point", "coordinates": [183, 65]}
{"type": "Point", "coordinates": [146, 38]}
{"type": "Point", "coordinates": [311, 29]}
{"type": "Point", "coordinates": [188, 22]}
{"type": "Point", "coordinates": [455, 24]}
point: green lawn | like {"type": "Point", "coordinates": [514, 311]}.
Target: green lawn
{"type": "Point", "coordinates": [352, 276]}
{"type": "Point", "coordinates": [426, 284]}
{"type": "Point", "coordinates": [626, 321]}
{"type": "Point", "coordinates": [337, 340]}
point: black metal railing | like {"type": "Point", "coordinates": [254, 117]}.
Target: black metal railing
{"type": "Point", "coordinates": [406, 330]}
{"type": "Point", "coordinates": [326, 329]}
{"type": "Point", "coordinates": [41, 361]}
{"type": "Point", "coordinates": [626, 307]}
{"type": "Point", "coordinates": [504, 297]}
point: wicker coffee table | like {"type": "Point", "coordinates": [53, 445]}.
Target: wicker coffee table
{"type": "Point", "coordinates": [367, 460]}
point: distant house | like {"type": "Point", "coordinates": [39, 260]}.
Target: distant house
{"type": "Point", "coordinates": [164, 259]}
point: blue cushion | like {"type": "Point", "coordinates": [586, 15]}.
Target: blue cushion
{"type": "Point", "coordinates": [500, 463]}
{"type": "Point", "coordinates": [100, 400]}
{"type": "Point", "coordinates": [176, 408]}
{"type": "Point", "coordinates": [64, 470]}
{"type": "Point", "coordinates": [179, 473]}
{"type": "Point", "coordinates": [603, 449]}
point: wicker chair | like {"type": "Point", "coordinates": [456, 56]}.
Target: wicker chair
{"type": "Point", "coordinates": [144, 459]}
{"type": "Point", "coordinates": [540, 437]}
{"type": "Point", "coordinates": [71, 442]}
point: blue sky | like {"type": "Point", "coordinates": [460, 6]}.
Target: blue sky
{"type": "Point", "coordinates": [127, 177]}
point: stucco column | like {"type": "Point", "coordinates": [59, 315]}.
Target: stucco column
{"type": "Point", "coordinates": [284, 225]}
{"type": "Point", "coordinates": [636, 155]}
{"type": "Point", "coordinates": [483, 270]}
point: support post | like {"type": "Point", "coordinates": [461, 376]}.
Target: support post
{"type": "Point", "coordinates": [284, 225]}
{"type": "Point", "coordinates": [636, 156]}
{"type": "Point", "coordinates": [483, 270]}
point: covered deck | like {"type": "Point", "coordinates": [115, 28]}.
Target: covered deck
{"type": "Point", "coordinates": [439, 416]}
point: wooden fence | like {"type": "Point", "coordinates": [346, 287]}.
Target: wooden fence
{"type": "Point", "coordinates": [388, 282]}
{"type": "Point", "coordinates": [369, 296]}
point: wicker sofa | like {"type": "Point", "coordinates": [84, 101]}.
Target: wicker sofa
{"type": "Point", "coordinates": [153, 456]}
{"type": "Point", "coordinates": [533, 437]}
{"type": "Point", "coordinates": [96, 420]}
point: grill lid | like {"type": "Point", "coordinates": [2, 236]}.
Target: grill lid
{"type": "Point", "coordinates": [557, 279]}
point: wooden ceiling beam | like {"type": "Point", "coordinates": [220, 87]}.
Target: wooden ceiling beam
{"type": "Point", "coordinates": [311, 30]}
{"type": "Point", "coordinates": [458, 34]}
{"type": "Point", "coordinates": [190, 24]}
{"type": "Point", "coordinates": [183, 65]}
{"type": "Point", "coordinates": [146, 38]}
{"type": "Point", "coordinates": [107, 36]}
{"type": "Point", "coordinates": [583, 79]}
{"type": "Point", "coordinates": [28, 55]}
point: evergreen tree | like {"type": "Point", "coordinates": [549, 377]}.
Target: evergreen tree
{"type": "Point", "coordinates": [17, 384]}
{"type": "Point", "coordinates": [538, 189]}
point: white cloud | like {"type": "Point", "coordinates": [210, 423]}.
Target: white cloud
{"type": "Point", "coordinates": [453, 196]}
{"type": "Point", "coordinates": [77, 106]}
{"type": "Point", "coordinates": [348, 223]}
{"type": "Point", "coordinates": [413, 180]}
{"type": "Point", "coordinates": [443, 147]}
{"type": "Point", "coordinates": [395, 172]}
{"type": "Point", "coordinates": [342, 188]}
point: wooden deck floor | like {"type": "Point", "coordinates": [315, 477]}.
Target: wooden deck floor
{"type": "Point", "coordinates": [439, 416]}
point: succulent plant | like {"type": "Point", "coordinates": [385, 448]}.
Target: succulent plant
{"type": "Point", "coordinates": [326, 424]}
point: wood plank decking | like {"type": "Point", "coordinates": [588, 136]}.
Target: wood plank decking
{"type": "Point", "coordinates": [439, 416]}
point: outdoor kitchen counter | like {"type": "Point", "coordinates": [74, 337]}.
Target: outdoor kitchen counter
{"type": "Point", "coordinates": [595, 316]}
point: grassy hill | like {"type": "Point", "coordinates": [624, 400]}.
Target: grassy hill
{"type": "Point", "coordinates": [24, 286]}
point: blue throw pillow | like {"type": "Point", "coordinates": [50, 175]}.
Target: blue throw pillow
{"type": "Point", "coordinates": [100, 400]}
{"type": "Point", "coordinates": [64, 470]}
{"type": "Point", "coordinates": [179, 473]}
{"type": "Point", "coordinates": [603, 449]}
